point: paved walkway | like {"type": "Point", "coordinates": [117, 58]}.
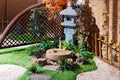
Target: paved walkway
{"type": "Point", "coordinates": [11, 72]}
{"type": "Point", "coordinates": [104, 72]}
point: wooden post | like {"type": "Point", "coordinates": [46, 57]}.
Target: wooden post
{"type": "Point", "coordinates": [106, 42]}
{"type": "Point", "coordinates": [119, 56]}
{"type": "Point", "coordinates": [7, 21]}
{"type": "Point", "coordinates": [96, 44]}
{"type": "Point", "coordinates": [111, 55]}
{"type": "Point", "coordinates": [93, 46]}
{"type": "Point", "coordinates": [2, 22]}
{"type": "Point", "coordinates": [60, 43]}
{"type": "Point", "coordinates": [100, 51]}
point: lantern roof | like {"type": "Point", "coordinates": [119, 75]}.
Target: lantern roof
{"type": "Point", "coordinates": [69, 11]}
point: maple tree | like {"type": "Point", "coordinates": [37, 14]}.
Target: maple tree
{"type": "Point", "coordinates": [58, 5]}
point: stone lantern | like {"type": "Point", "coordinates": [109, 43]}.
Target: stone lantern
{"type": "Point", "coordinates": [69, 23]}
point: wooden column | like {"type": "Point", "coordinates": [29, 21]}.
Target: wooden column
{"type": "Point", "coordinates": [119, 57]}
{"type": "Point", "coordinates": [100, 50]}
{"type": "Point", "coordinates": [95, 44]}
{"type": "Point", "coordinates": [111, 55]}
{"type": "Point", "coordinates": [106, 42]}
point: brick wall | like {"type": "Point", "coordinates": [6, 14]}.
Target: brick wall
{"type": "Point", "coordinates": [107, 15]}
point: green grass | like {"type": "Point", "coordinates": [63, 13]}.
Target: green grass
{"type": "Point", "coordinates": [25, 76]}
{"type": "Point", "coordinates": [89, 67]}
{"type": "Point", "coordinates": [66, 75]}
{"type": "Point", "coordinates": [8, 50]}
{"type": "Point", "coordinates": [18, 57]}
{"type": "Point", "coordinates": [21, 57]}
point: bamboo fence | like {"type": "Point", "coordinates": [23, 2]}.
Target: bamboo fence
{"type": "Point", "coordinates": [107, 55]}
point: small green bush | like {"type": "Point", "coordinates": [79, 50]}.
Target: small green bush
{"type": "Point", "coordinates": [68, 45]}
{"type": "Point", "coordinates": [47, 44]}
{"type": "Point", "coordinates": [67, 65]}
{"type": "Point", "coordinates": [36, 69]}
{"type": "Point", "coordinates": [33, 50]}
{"type": "Point", "coordinates": [85, 53]}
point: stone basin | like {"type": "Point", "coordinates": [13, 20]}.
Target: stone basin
{"type": "Point", "coordinates": [55, 54]}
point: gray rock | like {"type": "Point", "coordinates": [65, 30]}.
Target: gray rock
{"type": "Point", "coordinates": [50, 62]}
{"type": "Point", "coordinates": [51, 67]}
{"type": "Point", "coordinates": [80, 60]}
{"type": "Point", "coordinates": [42, 61]}
{"type": "Point", "coordinates": [39, 77]}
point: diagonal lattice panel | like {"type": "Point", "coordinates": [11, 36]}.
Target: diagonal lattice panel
{"type": "Point", "coordinates": [20, 34]}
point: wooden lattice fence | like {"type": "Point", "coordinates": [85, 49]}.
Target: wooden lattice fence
{"type": "Point", "coordinates": [17, 32]}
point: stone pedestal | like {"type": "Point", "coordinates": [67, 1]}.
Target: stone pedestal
{"type": "Point", "coordinates": [56, 54]}
{"type": "Point", "coordinates": [68, 34]}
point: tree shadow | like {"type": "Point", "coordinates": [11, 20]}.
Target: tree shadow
{"type": "Point", "coordinates": [89, 23]}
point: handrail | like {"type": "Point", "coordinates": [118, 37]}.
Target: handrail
{"type": "Point", "coordinates": [12, 22]}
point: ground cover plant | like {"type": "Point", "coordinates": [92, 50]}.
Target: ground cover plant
{"type": "Point", "coordinates": [21, 57]}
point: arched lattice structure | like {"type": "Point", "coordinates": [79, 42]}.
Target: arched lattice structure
{"type": "Point", "coordinates": [17, 32]}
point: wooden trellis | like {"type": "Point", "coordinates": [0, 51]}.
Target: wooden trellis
{"type": "Point", "coordinates": [17, 32]}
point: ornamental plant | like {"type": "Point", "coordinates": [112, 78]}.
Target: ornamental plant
{"type": "Point", "coordinates": [37, 20]}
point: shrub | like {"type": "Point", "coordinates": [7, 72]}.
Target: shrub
{"type": "Point", "coordinates": [36, 69]}
{"type": "Point", "coordinates": [33, 50]}
{"type": "Point", "coordinates": [37, 20]}
{"type": "Point", "coordinates": [67, 65]}
{"type": "Point", "coordinates": [47, 44]}
{"type": "Point", "coordinates": [67, 45]}
{"type": "Point", "coordinates": [85, 53]}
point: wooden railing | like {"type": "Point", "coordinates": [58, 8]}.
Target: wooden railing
{"type": "Point", "coordinates": [106, 50]}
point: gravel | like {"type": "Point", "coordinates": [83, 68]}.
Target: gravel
{"type": "Point", "coordinates": [104, 72]}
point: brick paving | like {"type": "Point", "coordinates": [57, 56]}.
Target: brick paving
{"type": "Point", "coordinates": [104, 72]}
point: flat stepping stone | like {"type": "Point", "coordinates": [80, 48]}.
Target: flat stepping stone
{"type": "Point", "coordinates": [51, 67]}
{"type": "Point", "coordinates": [39, 77]}
{"type": "Point", "coordinates": [11, 72]}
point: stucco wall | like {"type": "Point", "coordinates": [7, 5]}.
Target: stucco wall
{"type": "Point", "coordinates": [14, 7]}
{"type": "Point", "coordinates": [2, 8]}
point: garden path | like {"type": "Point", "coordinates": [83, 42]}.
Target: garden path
{"type": "Point", "coordinates": [104, 72]}
{"type": "Point", "coordinates": [11, 72]}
